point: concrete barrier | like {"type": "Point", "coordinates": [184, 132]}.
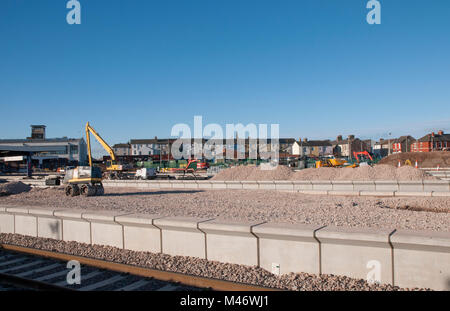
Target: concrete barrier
{"type": "Point", "coordinates": [321, 185]}
{"type": "Point", "coordinates": [75, 228]}
{"type": "Point", "coordinates": [386, 185]}
{"type": "Point", "coordinates": [357, 253]}
{"type": "Point", "coordinates": [302, 185]}
{"type": "Point", "coordinates": [342, 185]}
{"type": "Point", "coordinates": [218, 184]}
{"type": "Point", "coordinates": [231, 242]}
{"type": "Point", "coordinates": [421, 259]}
{"type": "Point", "coordinates": [139, 233]}
{"type": "Point", "coordinates": [284, 185]}
{"type": "Point", "coordinates": [266, 185]}
{"type": "Point", "coordinates": [410, 186]}
{"type": "Point", "coordinates": [6, 221]}
{"type": "Point", "coordinates": [289, 248]}
{"type": "Point", "coordinates": [24, 223]}
{"type": "Point", "coordinates": [436, 185]}
{"type": "Point", "coordinates": [362, 185]}
{"type": "Point", "coordinates": [181, 236]}
{"type": "Point", "coordinates": [48, 226]}
{"type": "Point", "coordinates": [233, 184]}
{"type": "Point", "coordinates": [253, 185]}
{"type": "Point", "coordinates": [104, 229]}
{"type": "Point", "coordinates": [383, 188]}
{"type": "Point", "coordinates": [403, 258]}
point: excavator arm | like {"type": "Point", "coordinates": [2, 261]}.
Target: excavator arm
{"type": "Point", "coordinates": [89, 130]}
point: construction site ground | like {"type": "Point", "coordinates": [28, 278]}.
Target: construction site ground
{"type": "Point", "coordinates": [413, 213]}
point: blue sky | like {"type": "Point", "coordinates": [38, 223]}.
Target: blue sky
{"type": "Point", "coordinates": [136, 68]}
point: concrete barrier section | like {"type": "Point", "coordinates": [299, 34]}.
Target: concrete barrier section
{"type": "Point", "coordinates": [218, 184]}
{"type": "Point", "coordinates": [386, 185]}
{"type": "Point", "coordinates": [266, 185]}
{"type": "Point", "coordinates": [180, 236]}
{"type": "Point", "coordinates": [233, 184]}
{"type": "Point", "coordinates": [422, 259]}
{"type": "Point", "coordinates": [104, 229]}
{"type": "Point", "coordinates": [362, 185]}
{"type": "Point", "coordinates": [139, 233]}
{"type": "Point", "coordinates": [191, 185]}
{"type": "Point", "coordinates": [342, 185]}
{"type": "Point", "coordinates": [6, 221]}
{"type": "Point", "coordinates": [377, 193]}
{"type": "Point", "coordinates": [75, 228]}
{"type": "Point", "coordinates": [284, 185]}
{"type": "Point", "coordinates": [291, 248]}
{"type": "Point", "coordinates": [436, 185]}
{"type": "Point", "coordinates": [412, 194]}
{"type": "Point", "coordinates": [302, 185]}
{"type": "Point", "coordinates": [165, 184]}
{"type": "Point", "coordinates": [24, 223]}
{"type": "Point", "coordinates": [48, 226]}
{"type": "Point", "coordinates": [204, 184]}
{"type": "Point", "coordinates": [322, 185]}
{"type": "Point", "coordinates": [357, 253]}
{"type": "Point", "coordinates": [231, 242]}
{"type": "Point", "coordinates": [410, 186]}
{"type": "Point", "coordinates": [247, 184]}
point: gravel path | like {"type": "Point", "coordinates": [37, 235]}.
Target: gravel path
{"type": "Point", "coordinates": [257, 205]}
{"type": "Point", "coordinates": [200, 267]}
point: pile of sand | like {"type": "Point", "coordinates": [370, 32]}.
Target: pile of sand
{"type": "Point", "coordinates": [254, 173]}
{"type": "Point", "coordinates": [378, 172]}
{"type": "Point", "coordinates": [13, 187]}
{"type": "Point", "coordinates": [424, 159]}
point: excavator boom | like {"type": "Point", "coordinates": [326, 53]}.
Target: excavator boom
{"type": "Point", "coordinates": [89, 130]}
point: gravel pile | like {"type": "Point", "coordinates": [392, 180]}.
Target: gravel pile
{"type": "Point", "coordinates": [13, 187]}
{"type": "Point", "coordinates": [377, 172]}
{"type": "Point", "coordinates": [416, 213]}
{"type": "Point", "coordinates": [201, 267]}
{"type": "Point", "coordinates": [424, 159]}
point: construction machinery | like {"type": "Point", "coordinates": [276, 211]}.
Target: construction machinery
{"type": "Point", "coordinates": [365, 155]}
{"type": "Point", "coordinates": [113, 169]}
{"type": "Point", "coordinates": [83, 180]}
{"type": "Point", "coordinates": [332, 162]}
{"type": "Point", "coordinates": [87, 180]}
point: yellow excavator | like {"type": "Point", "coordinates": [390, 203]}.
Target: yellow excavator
{"type": "Point", "coordinates": [114, 170]}
{"type": "Point", "coordinates": [87, 180]}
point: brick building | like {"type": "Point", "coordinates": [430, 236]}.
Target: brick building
{"type": "Point", "coordinates": [432, 142]}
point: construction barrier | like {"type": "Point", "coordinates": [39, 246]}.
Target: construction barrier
{"type": "Point", "coordinates": [402, 258]}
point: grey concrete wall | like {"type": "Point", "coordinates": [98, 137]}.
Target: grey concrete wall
{"type": "Point", "coordinates": [322, 187]}
{"type": "Point", "coordinates": [402, 258]}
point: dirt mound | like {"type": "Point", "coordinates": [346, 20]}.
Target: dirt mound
{"type": "Point", "coordinates": [254, 173]}
{"type": "Point", "coordinates": [378, 172]}
{"type": "Point", "coordinates": [424, 159]}
{"type": "Point", "coordinates": [14, 187]}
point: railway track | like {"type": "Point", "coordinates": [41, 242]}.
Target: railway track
{"type": "Point", "coordinates": [35, 269]}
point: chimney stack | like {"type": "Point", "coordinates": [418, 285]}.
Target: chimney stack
{"type": "Point", "coordinates": [441, 132]}
{"type": "Point", "coordinates": [432, 134]}
{"type": "Point", "coordinates": [305, 140]}
{"type": "Point", "coordinates": [339, 138]}
{"type": "Point", "coordinates": [351, 137]}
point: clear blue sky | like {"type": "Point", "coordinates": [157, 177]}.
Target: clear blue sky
{"type": "Point", "coordinates": [136, 68]}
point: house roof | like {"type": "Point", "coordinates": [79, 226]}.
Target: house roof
{"type": "Point", "coordinates": [405, 138]}
{"type": "Point", "coordinates": [315, 143]}
{"type": "Point", "coordinates": [437, 137]}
